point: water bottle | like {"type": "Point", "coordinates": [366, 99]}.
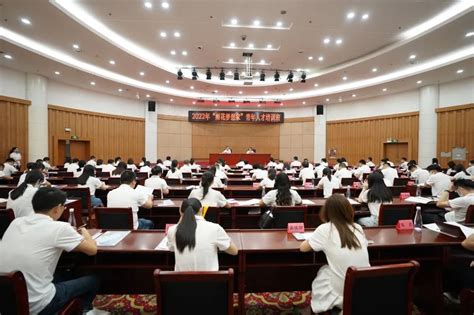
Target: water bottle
{"type": "Point", "coordinates": [263, 191]}
{"type": "Point", "coordinates": [72, 219]}
{"type": "Point", "coordinates": [348, 192]}
{"type": "Point", "coordinates": [418, 191]}
{"type": "Point", "coordinates": [418, 221]}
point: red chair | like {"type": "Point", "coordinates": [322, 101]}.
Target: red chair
{"type": "Point", "coordinates": [389, 214]}
{"type": "Point", "coordinates": [470, 215]}
{"type": "Point", "coordinates": [15, 296]}
{"type": "Point", "coordinates": [384, 290]}
{"type": "Point", "coordinates": [6, 217]}
{"type": "Point", "coordinates": [114, 218]}
{"type": "Point", "coordinates": [209, 293]}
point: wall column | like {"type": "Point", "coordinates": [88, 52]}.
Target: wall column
{"type": "Point", "coordinates": [319, 134]}
{"type": "Point", "coordinates": [36, 92]}
{"type": "Point", "coordinates": [428, 124]}
{"type": "Point", "coordinates": [151, 134]}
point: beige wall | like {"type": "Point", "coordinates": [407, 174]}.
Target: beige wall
{"type": "Point", "coordinates": [297, 138]}
{"type": "Point", "coordinates": [174, 137]}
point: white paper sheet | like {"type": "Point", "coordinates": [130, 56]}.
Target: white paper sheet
{"type": "Point", "coordinates": [166, 202]}
{"type": "Point", "coordinates": [353, 202]}
{"type": "Point", "coordinates": [144, 190]}
{"type": "Point", "coordinates": [3, 200]}
{"type": "Point", "coordinates": [421, 200]}
{"type": "Point", "coordinates": [111, 238]}
{"type": "Point", "coordinates": [163, 244]}
{"type": "Point", "coordinates": [307, 202]}
{"type": "Point", "coordinates": [302, 236]}
{"type": "Point", "coordinates": [250, 202]}
{"type": "Point", "coordinates": [432, 227]}
{"type": "Point", "coordinates": [190, 187]}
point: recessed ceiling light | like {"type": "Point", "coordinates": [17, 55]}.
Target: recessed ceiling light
{"type": "Point", "coordinates": [269, 46]}
{"type": "Point", "coordinates": [316, 85]}
{"type": "Point", "coordinates": [194, 103]}
{"type": "Point", "coordinates": [365, 16]}
{"type": "Point", "coordinates": [120, 90]}
{"type": "Point", "coordinates": [215, 105]}
{"type": "Point", "coordinates": [173, 52]}
{"type": "Point", "coordinates": [291, 90]}
{"type": "Point", "coordinates": [354, 95]}
{"type": "Point", "coordinates": [327, 100]}
{"type": "Point", "coordinates": [148, 4]}
{"type": "Point", "coordinates": [142, 73]}
{"type": "Point", "coordinates": [460, 71]}
{"type": "Point", "coordinates": [257, 73]}
{"type": "Point", "coordinates": [310, 58]}
{"type": "Point", "coordinates": [234, 21]}
{"type": "Point", "coordinates": [262, 61]}
{"type": "Point", "coordinates": [216, 91]}
{"type": "Point", "coordinates": [243, 73]}
{"type": "Point", "coordinates": [184, 53]}
{"type": "Point", "coordinates": [321, 58]}
{"type": "Point", "coordinates": [191, 87]}
{"type": "Point", "coordinates": [171, 100]}
{"type": "Point", "coordinates": [163, 34]}
{"type": "Point", "coordinates": [8, 56]}
{"type": "Point", "coordinates": [338, 41]}
{"type": "Point", "coordinates": [266, 92]}
{"type": "Point", "coordinates": [279, 24]}
{"type": "Point", "coordinates": [259, 105]}
{"type": "Point", "coordinates": [75, 46]}
{"type": "Point", "coordinates": [231, 60]}
{"type": "Point", "coordinates": [57, 72]}
{"type": "Point", "coordinates": [304, 103]}
{"type": "Point", "coordinates": [344, 78]}
{"type": "Point", "coordinates": [232, 44]}
{"type": "Point", "coordinates": [374, 69]}
{"type": "Point", "coordinates": [419, 82]}
{"type": "Point", "coordinates": [256, 22]}
{"type": "Point", "coordinates": [92, 83]}
{"type": "Point", "coordinates": [229, 72]}
{"type": "Point", "coordinates": [177, 34]}
{"type": "Point", "coordinates": [327, 40]}
{"type": "Point", "coordinates": [240, 92]}
{"type": "Point", "coordinates": [469, 34]}
{"type": "Point", "coordinates": [25, 21]}
{"type": "Point", "coordinates": [350, 15]}
{"type": "Point", "coordinates": [148, 95]}
{"type": "Point", "coordinates": [384, 89]}
{"type": "Point", "coordinates": [251, 45]}
{"type": "Point", "coordinates": [165, 5]}
{"type": "Point", "coordinates": [112, 62]}
{"type": "Point", "coordinates": [167, 81]}
{"type": "Point", "coordinates": [412, 57]}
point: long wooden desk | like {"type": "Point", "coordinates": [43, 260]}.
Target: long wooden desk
{"type": "Point", "coordinates": [234, 158]}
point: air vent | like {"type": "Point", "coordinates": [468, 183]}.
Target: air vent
{"type": "Point", "coordinates": [247, 54]}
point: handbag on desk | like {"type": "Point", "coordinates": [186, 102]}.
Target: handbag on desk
{"type": "Point", "coordinates": [266, 220]}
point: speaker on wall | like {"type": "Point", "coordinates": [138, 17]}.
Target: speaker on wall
{"type": "Point", "coordinates": [319, 109]}
{"type": "Point", "coordinates": [151, 106]}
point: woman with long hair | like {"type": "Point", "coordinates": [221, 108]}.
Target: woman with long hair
{"type": "Point", "coordinates": [461, 172]}
{"type": "Point", "coordinates": [344, 244]}
{"type": "Point", "coordinates": [328, 182]}
{"type": "Point", "coordinates": [19, 199]}
{"type": "Point", "coordinates": [374, 193]}
{"type": "Point", "coordinates": [88, 179]}
{"type": "Point", "coordinates": [131, 165]}
{"type": "Point", "coordinates": [174, 172]}
{"type": "Point", "coordinates": [207, 195]}
{"type": "Point", "coordinates": [269, 180]}
{"type": "Point", "coordinates": [282, 194]}
{"type": "Point", "coordinates": [195, 241]}
{"type": "Point", "coordinates": [217, 181]}
{"type": "Point", "coordinates": [119, 169]}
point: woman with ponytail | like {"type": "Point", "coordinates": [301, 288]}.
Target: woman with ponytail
{"type": "Point", "coordinates": [195, 242]}
{"type": "Point", "coordinates": [88, 179]}
{"type": "Point", "coordinates": [174, 172]}
{"type": "Point", "coordinates": [282, 195]}
{"type": "Point", "coordinates": [328, 182]}
{"type": "Point", "coordinates": [19, 199]}
{"type": "Point", "coordinates": [208, 196]}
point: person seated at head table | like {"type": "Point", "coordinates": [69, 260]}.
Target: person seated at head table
{"type": "Point", "coordinates": [207, 195]}
{"type": "Point", "coordinates": [227, 150]}
{"type": "Point", "coordinates": [43, 239]}
{"type": "Point", "coordinates": [88, 179]}
{"type": "Point", "coordinates": [457, 208]}
{"type": "Point", "coordinates": [344, 244]}
{"type": "Point", "coordinates": [282, 194]}
{"type": "Point", "coordinates": [19, 199]}
{"type": "Point", "coordinates": [195, 241]}
{"type": "Point", "coordinates": [125, 196]}
{"type": "Point", "coordinates": [156, 182]}
{"type": "Point", "coordinates": [374, 193]}
{"type": "Point", "coordinates": [328, 183]}
{"type": "Point", "coordinates": [250, 151]}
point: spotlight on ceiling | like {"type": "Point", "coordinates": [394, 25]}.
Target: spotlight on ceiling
{"type": "Point", "coordinates": [289, 78]}
{"type": "Point", "coordinates": [236, 75]}
{"type": "Point", "coordinates": [303, 77]}
{"type": "Point", "coordinates": [194, 74]}
{"type": "Point", "coordinates": [180, 74]}
{"type": "Point", "coordinates": [276, 76]}
{"type": "Point", "coordinates": [208, 74]}
{"type": "Point", "coordinates": [262, 76]}
{"type": "Point", "coordinates": [222, 75]}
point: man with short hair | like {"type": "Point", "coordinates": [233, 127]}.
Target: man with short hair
{"type": "Point", "coordinates": [33, 245]}
{"type": "Point", "coordinates": [389, 174]}
{"type": "Point", "coordinates": [457, 208]}
{"type": "Point", "coordinates": [9, 168]}
{"type": "Point", "coordinates": [361, 170]}
{"type": "Point", "coordinates": [438, 181]}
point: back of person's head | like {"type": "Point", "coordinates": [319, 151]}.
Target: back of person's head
{"type": "Point", "coordinates": [186, 162]}
{"type": "Point", "coordinates": [13, 149]}
{"type": "Point", "coordinates": [404, 159]}
{"type": "Point", "coordinates": [159, 161]}
{"type": "Point", "coordinates": [213, 170]}
{"type": "Point", "coordinates": [186, 229]}
{"type": "Point", "coordinates": [378, 191]}
{"type": "Point", "coordinates": [386, 164]}
{"type": "Point", "coordinates": [92, 157]}
{"type": "Point", "coordinates": [363, 162]}
{"type": "Point", "coordinates": [369, 158]}
{"type": "Point", "coordinates": [117, 159]}
{"type": "Point", "coordinates": [460, 168]}
{"type": "Point", "coordinates": [46, 159]}
{"type": "Point", "coordinates": [9, 160]}
{"type": "Point", "coordinates": [305, 163]}
{"type": "Point", "coordinates": [339, 212]}
{"type": "Point", "coordinates": [412, 167]}
{"type": "Point", "coordinates": [467, 184]}
{"type": "Point", "coordinates": [206, 181]}
{"type": "Point", "coordinates": [130, 161]}
{"type": "Point", "coordinates": [127, 177]}
{"type": "Point", "coordinates": [451, 164]}
{"type": "Point", "coordinates": [168, 157]}
{"type": "Point", "coordinates": [286, 166]}
{"type": "Point", "coordinates": [283, 185]}
{"type": "Point", "coordinates": [147, 163]}
{"type": "Point", "coordinates": [271, 174]}
{"type": "Point", "coordinates": [246, 162]}
{"type": "Point", "coordinates": [434, 161]}
{"type": "Point", "coordinates": [434, 168]}
{"type": "Point", "coordinates": [343, 159]}
{"type": "Point", "coordinates": [110, 161]}
{"type": "Point", "coordinates": [342, 165]}
{"type": "Point", "coordinates": [34, 178]}
{"type": "Point", "coordinates": [338, 161]}
{"type": "Point", "coordinates": [100, 162]}
{"type": "Point", "coordinates": [174, 165]}
{"type": "Point", "coordinates": [143, 159]}
{"type": "Point", "coordinates": [327, 172]}
{"type": "Point", "coordinates": [156, 171]}
{"type": "Point", "coordinates": [295, 158]}
{"type": "Point", "coordinates": [471, 162]}
{"type": "Point", "coordinates": [412, 162]}
{"type": "Point", "coordinates": [75, 160]}
{"type": "Point", "coordinates": [88, 171]}
{"type": "Point", "coordinates": [324, 160]}
{"type": "Point", "coordinates": [191, 161]}
{"type": "Point", "coordinates": [67, 160]}
{"type": "Point", "coordinates": [256, 166]}
{"type": "Point", "coordinates": [81, 163]}
{"type": "Point", "coordinates": [272, 159]}
{"type": "Point", "coordinates": [47, 198]}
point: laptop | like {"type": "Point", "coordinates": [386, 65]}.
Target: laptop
{"type": "Point", "coordinates": [450, 230]}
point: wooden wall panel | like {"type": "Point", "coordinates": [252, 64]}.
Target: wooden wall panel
{"type": "Point", "coordinates": [297, 138]}
{"type": "Point", "coordinates": [174, 137]}
{"type": "Point", "coordinates": [109, 135]}
{"type": "Point", "coordinates": [455, 129]}
{"type": "Point", "coordinates": [359, 138]}
{"type": "Point", "coordinates": [13, 126]}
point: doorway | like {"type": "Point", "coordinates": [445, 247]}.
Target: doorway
{"type": "Point", "coordinates": [394, 151]}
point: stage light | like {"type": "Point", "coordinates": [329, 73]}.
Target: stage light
{"type": "Point", "coordinates": [180, 74]}
{"type": "Point", "coordinates": [262, 76]}
{"type": "Point", "coordinates": [276, 76]}
{"type": "Point", "coordinates": [289, 78]}
{"type": "Point", "coordinates": [222, 75]}
{"type": "Point", "coordinates": [236, 74]}
{"type": "Point", "coordinates": [208, 74]}
{"type": "Point", "coordinates": [194, 74]}
{"type": "Point", "coordinates": [303, 77]}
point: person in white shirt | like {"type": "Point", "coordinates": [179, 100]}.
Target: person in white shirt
{"type": "Point", "coordinates": [196, 168]}
{"type": "Point", "coordinates": [117, 160]}
{"type": "Point", "coordinates": [403, 164]}
{"type": "Point", "coordinates": [73, 166]}
{"type": "Point", "coordinates": [250, 151]}
{"type": "Point", "coordinates": [46, 163]}
{"type": "Point", "coordinates": [247, 166]}
{"type": "Point", "coordinates": [121, 167]}
{"type": "Point", "coordinates": [186, 168]}
{"type": "Point", "coordinates": [240, 164]}
{"type": "Point", "coordinates": [146, 168]}
{"type": "Point", "coordinates": [336, 166]}
{"type": "Point", "coordinates": [361, 170]}
{"type": "Point", "coordinates": [92, 161]}
{"type": "Point", "coordinates": [80, 167]}
{"type": "Point", "coordinates": [208, 196]}
{"type": "Point", "coordinates": [295, 163]}
{"type": "Point", "coordinates": [16, 156]}
{"type": "Point", "coordinates": [282, 194]}
{"type": "Point", "coordinates": [2, 174]}
{"type": "Point", "coordinates": [385, 160]}
{"type": "Point", "coordinates": [67, 162]}
{"type": "Point", "coordinates": [142, 162]}
{"type": "Point", "coordinates": [174, 172]}
{"type": "Point", "coordinates": [19, 199]}
{"type": "Point", "coordinates": [227, 150]}
{"type": "Point", "coordinates": [99, 165]}
{"type": "Point", "coordinates": [461, 172]}
{"type": "Point", "coordinates": [418, 174]}
{"type": "Point", "coordinates": [318, 170]}
{"type": "Point", "coordinates": [279, 165]}
{"type": "Point", "coordinates": [374, 193]}
{"type": "Point", "coordinates": [125, 196]}
{"type": "Point", "coordinates": [310, 165]}
{"type": "Point", "coordinates": [167, 162]}
{"type": "Point", "coordinates": [389, 174]}
{"type": "Point", "coordinates": [131, 165]}
{"type": "Point", "coordinates": [217, 183]}
{"type": "Point", "coordinates": [306, 172]}
{"type": "Point", "coordinates": [271, 163]}
{"type": "Point", "coordinates": [160, 163]}
{"type": "Point", "coordinates": [269, 181]}
{"type": "Point", "coordinates": [88, 179]}
{"type": "Point", "coordinates": [343, 172]}
{"type": "Point", "coordinates": [470, 169]}
{"type": "Point", "coordinates": [109, 167]}
{"type": "Point", "coordinates": [287, 169]}
{"type": "Point", "coordinates": [457, 207]}
{"type": "Point", "coordinates": [438, 181]}
{"type": "Point", "coordinates": [369, 162]}
{"type": "Point", "coordinates": [259, 172]}
{"type": "Point", "coordinates": [195, 241]}
{"type": "Point", "coordinates": [156, 182]}
{"type": "Point", "coordinates": [220, 172]}
{"type": "Point", "coordinates": [344, 244]}
{"type": "Point", "coordinates": [328, 182]}
{"type": "Point", "coordinates": [324, 162]}
{"type": "Point", "coordinates": [8, 168]}
{"type": "Point", "coordinates": [33, 245]}
{"type": "Point", "coordinates": [34, 167]}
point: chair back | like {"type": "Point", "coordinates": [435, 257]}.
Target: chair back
{"type": "Point", "coordinates": [142, 175]}
{"type": "Point", "coordinates": [113, 181]}
{"type": "Point", "coordinates": [213, 214]}
{"type": "Point", "coordinates": [6, 217]}
{"type": "Point", "coordinates": [187, 175]}
{"type": "Point", "coordinates": [209, 293]}
{"type": "Point", "coordinates": [390, 287]}
{"type": "Point", "coordinates": [114, 218]}
{"type": "Point", "coordinates": [80, 192]}
{"type": "Point", "coordinates": [173, 181]}
{"type": "Point", "coordinates": [389, 214]}
{"type": "Point", "coordinates": [70, 181]}
{"type": "Point", "coordinates": [401, 181]}
{"type": "Point", "coordinates": [14, 294]}
{"type": "Point", "coordinates": [65, 174]}
{"type": "Point", "coordinates": [348, 181]}
{"type": "Point", "coordinates": [397, 190]}
{"type": "Point", "coordinates": [101, 174]}
{"type": "Point", "coordinates": [470, 215]}
{"type": "Point", "coordinates": [284, 215]}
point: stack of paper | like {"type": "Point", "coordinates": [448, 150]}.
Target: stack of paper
{"type": "Point", "coordinates": [163, 244]}
{"type": "Point", "coordinates": [307, 202]}
{"type": "Point", "coordinates": [302, 236]}
{"type": "Point", "coordinates": [421, 200]}
{"type": "Point", "coordinates": [111, 238]}
{"type": "Point", "coordinates": [144, 190]}
{"type": "Point", "coordinates": [166, 202]}
{"type": "Point", "coordinates": [250, 202]}
{"type": "Point", "coordinates": [353, 202]}
{"type": "Point", "coordinates": [190, 187]}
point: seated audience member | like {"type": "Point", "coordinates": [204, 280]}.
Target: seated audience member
{"type": "Point", "coordinates": [385, 160]}
{"type": "Point", "coordinates": [344, 243]}
{"type": "Point", "coordinates": [457, 207]}
{"type": "Point", "coordinates": [19, 199]}
{"type": "Point", "coordinates": [109, 167]}
{"type": "Point", "coordinates": [369, 162]}
{"type": "Point", "coordinates": [117, 160]}
{"type": "Point", "coordinates": [80, 168]}
{"type": "Point", "coordinates": [186, 168]}
{"type": "Point", "coordinates": [160, 163]}
{"type": "Point", "coordinates": [279, 165]}
{"type": "Point", "coordinates": [47, 164]}
{"type": "Point", "coordinates": [389, 174]}
{"type": "Point", "coordinates": [92, 161]}
{"type": "Point", "coordinates": [336, 166]}
{"type": "Point", "coordinates": [287, 169]}
{"type": "Point", "coordinates": [343, 160]}
{"type": "Point", "coordinates": [167, 162]}
{"type": "Point", "coordinates": [328, 182]}
{"type": "Point", "coordinates": [227, 150]}
{"type": "Point", "coordinates": [196, 168]}
{"type": "Point", "coordinates": [131, 165]}
{"type": "Point", "coordinates": [310, 165]}
{"type": "Point", "coordinates": [207, 195]}
{"type": "Point", "coordinates": [418, 174]}
{"type": "Point", "coordinates": [247, 166]}
{"type": "Point", "coordinates": [258, 172]}
{"type": "Point", "coordinates": [100, 164]}
{"type": "Point", "coordinates": [434, 161]}
{"type": "Point", "coordinates": [240, 164]}
{"type": "Point", "coordinates": [318, 170]}
{"type": "Point", "coordinates": [9, 168]}
{"type": "Point", "coordinates": [461, 172]}
{"type": "Point", "coordinates": [156, 182]}
{"type": "Point", "coordinates": [67, 162]}
{"type": "Point", "coordinates": [438, 181]}
{"type": "Point", "coordinates": [295, 163]}
{"type": "Point", "coordinates": [125, 196]}
{"type": "Point", "coordinates": [43, 238]}
{"type": "Point", "coordinates": [324, 162]}
{"type": "Point", "coordinates": [451, 171]}
{"type": "Point", "coordinates": [217, 183]}
{"type": "Point", "coordinates": [31, 166]}
{"type": "Point", "coordinates": [306, 172]}
{"type": "Point", "coordinates": [282, 194]}
{"type": "Point", "coordinates": [403, 164]}
{"type": "Point", "coordinates": [2, 174]}
{"type": "Point", "coordinates": [121, 167]}
{"type": "Point", "coordinates": [174, 172]}
{"type": "Point", "coordinates": [223, 165]}
{"type": "Point", "coordinates": [343, 172]}
{"type": "Point", "coordinates": [220, 172]}
{"type": "Point", "coordinates": [73, 166]}
{"type": "Point", "coordinates": [271, 163]}
{"type": "Point", "coordinates": [374, 193]}
{"type": "Point", "coordinates": [470, 168]}
{"type": "Point", "coordinates": [195, 241]}
{"type": "Point", "coordinates": [361, 170]}
{"type": "Point", "coordinates": [269, 180]}
{"type": "Point", "coordinates": [16, 156]}
{"type": "Point", "coordinates": [88, 179]}
{"type": "Point", "coordinates": [146, 168]}
{"type": "Point", "coordinates": [142, 162]}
